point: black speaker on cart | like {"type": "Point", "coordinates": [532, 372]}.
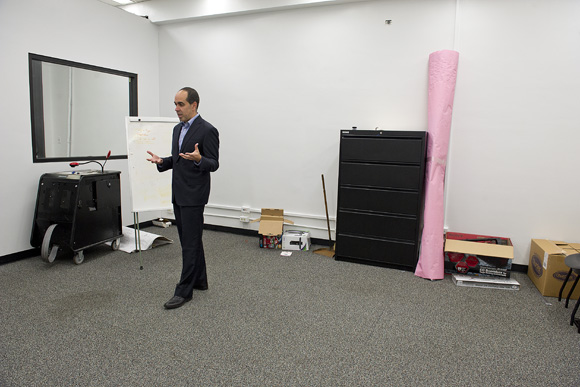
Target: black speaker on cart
{"type": "Point", "coordinates": [77, 210]}
{"type": "Point", "coordinates": [380, 197]}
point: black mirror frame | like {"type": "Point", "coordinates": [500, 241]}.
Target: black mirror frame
{"type": "Point", "coordinates": [37, 107]}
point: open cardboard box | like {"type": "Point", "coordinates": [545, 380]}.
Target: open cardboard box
{"type": "Point", "coordinates": [547, 268]}
{"type": "Point", "coordinates": [473, 254]}
{"type": "Point", "coordinates": [271, 227]}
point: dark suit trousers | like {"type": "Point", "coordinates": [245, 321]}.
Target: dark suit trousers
{"type": "Point", "coordinates": [189, 221]}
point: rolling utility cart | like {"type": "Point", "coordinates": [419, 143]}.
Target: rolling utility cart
{"type": "Point", "coordinates": [76, 210]}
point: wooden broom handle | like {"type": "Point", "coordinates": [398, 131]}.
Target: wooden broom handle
{"type": "Point", "coordinates": [326, 207]}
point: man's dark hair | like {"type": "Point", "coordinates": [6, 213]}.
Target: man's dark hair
{"type": "Point", "coordinates": [192, 95]}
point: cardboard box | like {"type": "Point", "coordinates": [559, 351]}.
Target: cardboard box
{"type": "Point", "coordinates": [547, 269]}
{"type": "Point", "coordinates": [296, 240]}
{"type": "Point", "coordinates": [271, 227]}
{"type": "Point", "coordinates": [473, 254]}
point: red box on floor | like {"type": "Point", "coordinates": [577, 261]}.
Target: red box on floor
{"type": "Point", "coordinates": [270, 241]}
{"type": "Point", "coordinates": [474, 254]}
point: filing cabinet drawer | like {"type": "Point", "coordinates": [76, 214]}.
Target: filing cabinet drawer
{"type": "Point", "coordinates": [375, 250]}
{"type": "Point", "coordinates": [388, 201]}
{"type": "Point", "coordinates": [380, 226]}
{"type": "Point", "coordinates": [380, 175]}
{"type": "Point", "coordinates": [386, 150]}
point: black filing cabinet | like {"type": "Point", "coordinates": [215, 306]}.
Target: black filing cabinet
{"type": "Point", "coordinates": [380, 197]}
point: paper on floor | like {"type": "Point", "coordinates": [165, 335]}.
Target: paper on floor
{"type": "Point", "coordinates": [148, 240]}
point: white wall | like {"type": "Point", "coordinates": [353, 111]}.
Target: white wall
{"type": "Point", "coordinates": [280, 85]}
{"type": "Point", "coordinates": [514, 158]}
{"type": "Point", "coordinates": [85, 31]}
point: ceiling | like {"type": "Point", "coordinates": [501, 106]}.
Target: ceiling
{"type": "Point", "coordinates": [172, 11]}
{"type": "Point", "coordinates": [112, 2]}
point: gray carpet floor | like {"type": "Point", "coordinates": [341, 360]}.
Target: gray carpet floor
{"type": "Point", "coordinates": [269, 320]}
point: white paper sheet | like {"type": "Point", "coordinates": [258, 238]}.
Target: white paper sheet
{"type": "Point", "coordinates": [148, 240]}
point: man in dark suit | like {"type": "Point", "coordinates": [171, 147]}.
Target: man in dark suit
{"type": "Point", "coordinates": [194, 154]}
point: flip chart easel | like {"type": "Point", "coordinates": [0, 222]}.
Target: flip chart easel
{"type": "Point", "coordinates": [150, 190]}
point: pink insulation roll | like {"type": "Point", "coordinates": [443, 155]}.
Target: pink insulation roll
{"type": "Point", "coordinates": [442, 77]}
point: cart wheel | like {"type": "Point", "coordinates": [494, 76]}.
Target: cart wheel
{"type": "Point", "coordinates": [115, 244]}
{"type": "Point", "coordinates": [79, 257]}
{"type": "Point", "coordinates": [48, 251]}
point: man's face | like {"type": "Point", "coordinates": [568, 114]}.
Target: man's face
{"type": "Point", "coordinates": [185, 111]}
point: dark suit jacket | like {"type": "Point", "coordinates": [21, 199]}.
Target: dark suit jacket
{"type": "Point", "coordinates": [191, 183]}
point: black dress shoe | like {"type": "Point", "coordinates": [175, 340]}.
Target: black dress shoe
{"type": "Point", "coordinates": [176, 302]}
{"type": "Point", "coordinates": [200, 287]}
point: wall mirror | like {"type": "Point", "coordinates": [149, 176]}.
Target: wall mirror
{"type": "Point", "coordinates": [78, 111]}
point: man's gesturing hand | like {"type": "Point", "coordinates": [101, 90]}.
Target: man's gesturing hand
{"type": "Point", "coordinates": [154, 158]}
{"type": "Point", "coordinates": [195, 155]}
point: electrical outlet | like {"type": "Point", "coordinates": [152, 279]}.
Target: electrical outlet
{"type": "Point", "coordinates": [245, 210]}
{"type": "Point", "coordinates": [245, 219]}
